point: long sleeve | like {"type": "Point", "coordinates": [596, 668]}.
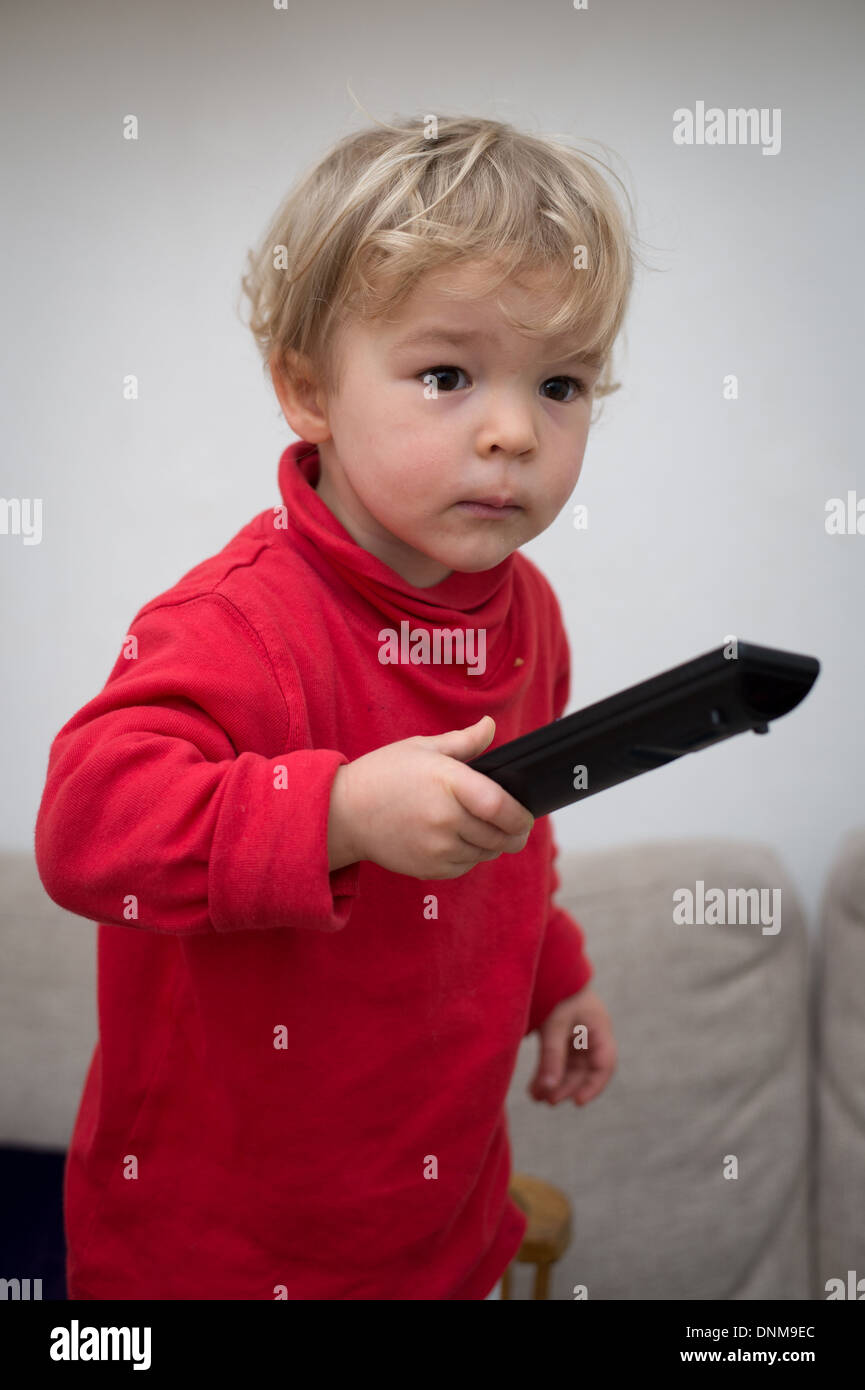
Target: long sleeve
{"type": "Point", "coordinates": [172, 801]}
{"type": "Point", "coordinates": [563, 967]}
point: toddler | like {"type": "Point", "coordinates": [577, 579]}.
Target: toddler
{"type": "Point", "coordinates": [322, 935]}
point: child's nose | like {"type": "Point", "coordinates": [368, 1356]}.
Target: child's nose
{"type": "Point", "coordinates": [508, 424]}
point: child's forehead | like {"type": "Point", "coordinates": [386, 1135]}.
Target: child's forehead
{"type": "Point", "coordinates": [471, 305]}
{"type": "Point", "coordinates": [461, 331]}
{"type": "Point", "coordinates": [463, 308]}
{"type": "Point", "coordinates": [480, 283]}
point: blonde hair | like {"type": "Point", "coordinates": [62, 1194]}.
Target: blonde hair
{"type": "Point", "coordinates": [391, 202]}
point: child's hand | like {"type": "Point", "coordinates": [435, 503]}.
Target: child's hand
{"type": "Point", "coordinates": [415, 808]}
{"type": "Point", "coordinates": [581, 1073]}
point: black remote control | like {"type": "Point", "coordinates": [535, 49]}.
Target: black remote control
{"type": "Point", "coordinates": [680, 711]}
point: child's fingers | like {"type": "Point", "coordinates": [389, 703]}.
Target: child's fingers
{"type": "Point", "coordinates": [585, 1081]}
{"type": "Point", "coordinates": [593, 1086]}
{"type": "Point", "coordinates": [572, 1081]}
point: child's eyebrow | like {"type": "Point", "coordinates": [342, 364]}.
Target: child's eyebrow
{"type": "Point", "coordinates": [442, 333]}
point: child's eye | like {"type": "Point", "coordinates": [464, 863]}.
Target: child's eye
{"type": "Point", "coordinates": [576, 381]}
{"type": "Point", "coordinates": [450, 372]}
{"type": "Point", "coordinates": [441, 371]}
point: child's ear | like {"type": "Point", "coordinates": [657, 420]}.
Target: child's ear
{"type": "Point", "coordinates": [295, 383]}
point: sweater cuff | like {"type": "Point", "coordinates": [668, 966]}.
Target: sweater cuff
{"type": "Point", "coordinates": [269, 864]}
{"type": "Point", "coordinates": [563, 968]}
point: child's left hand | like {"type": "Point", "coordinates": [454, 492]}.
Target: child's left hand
{"type": "Point", "coordinates": [581, 1073]}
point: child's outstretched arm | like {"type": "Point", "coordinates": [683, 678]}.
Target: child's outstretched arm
{"type": "Point", "coordinates": [151, 818]}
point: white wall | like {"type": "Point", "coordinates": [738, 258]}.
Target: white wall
{"type": "Point", "coordinates": [706, 515]}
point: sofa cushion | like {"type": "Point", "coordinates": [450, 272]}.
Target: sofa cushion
{"type": "Point", "coordinates": [711, 1023]}
{"type": "Point", "coordinates": [840, 1074]}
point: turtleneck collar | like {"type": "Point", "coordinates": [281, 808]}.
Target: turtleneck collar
{"type": "Point", "coordinates": [481, 599]}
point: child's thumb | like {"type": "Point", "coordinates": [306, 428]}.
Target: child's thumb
{"type": "Point", "coordinates": [465, 744]}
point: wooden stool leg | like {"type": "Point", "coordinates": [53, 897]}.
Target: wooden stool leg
{"type": "Point", "coordinates": [506, 1283]}
{"type": "Point", "coordinates": [542, 1281]}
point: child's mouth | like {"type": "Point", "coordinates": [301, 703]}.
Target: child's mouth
{"type": "Point", "coordinates": [486, 509]}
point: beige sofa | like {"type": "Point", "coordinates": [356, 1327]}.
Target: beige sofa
{"type": "Point", "coordinates": [741, 1051]}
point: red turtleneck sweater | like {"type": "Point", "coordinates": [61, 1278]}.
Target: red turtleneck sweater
{"type": "Point", "coordinates": [299, 1085]}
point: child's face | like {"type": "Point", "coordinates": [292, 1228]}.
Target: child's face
{"type": "Point", "coordinates": [510, 419]}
